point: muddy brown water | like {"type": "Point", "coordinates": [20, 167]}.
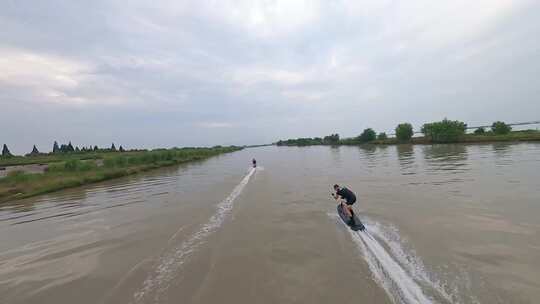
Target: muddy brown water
{"type": "Point", "coordinates": [446, 224]}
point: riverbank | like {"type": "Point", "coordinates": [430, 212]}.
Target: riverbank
{"type": "Point", "coordinates": [473, 138]}
{"type": "Point", "coordinates": [514, 136]}
{"type": "Point", "coordinates": [76, 171]}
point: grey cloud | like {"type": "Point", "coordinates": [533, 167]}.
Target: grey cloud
{"type": "Point", "coordinates": [205, 73]}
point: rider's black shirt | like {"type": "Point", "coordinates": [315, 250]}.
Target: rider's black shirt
{"type": "Point", "coordinates": [347, 194]}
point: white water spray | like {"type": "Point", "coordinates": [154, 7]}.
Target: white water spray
{"type": "Point", "coordinates": [403, 283]}
{"type": "Point", "coordinates": [395, 280]}
{"type": "Point", "coordinates": [413, 265]}
{"type": "Point", "coordinates": [171, 261]}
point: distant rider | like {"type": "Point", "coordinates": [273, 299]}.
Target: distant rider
{"type": "Point", "coordinates": [348, 199]}
{"type": "Point", "coordinates": [254, 161]}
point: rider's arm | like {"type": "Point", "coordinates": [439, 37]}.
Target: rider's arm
{"type": "Point", "coordinates": [336, 195]}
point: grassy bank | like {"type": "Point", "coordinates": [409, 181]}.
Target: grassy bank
{"type": "Point", "coordinates": [529, 135]}
{"type": "Point", "coordinates": [51, 158]}
{"type": "Point", "coordinates": [76, 171]}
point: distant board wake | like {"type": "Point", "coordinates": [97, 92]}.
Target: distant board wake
{"type": "Point", "coordinates": [170, 262]}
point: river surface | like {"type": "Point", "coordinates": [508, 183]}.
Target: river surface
{"type": "Point", "coordinates": [445, 224]}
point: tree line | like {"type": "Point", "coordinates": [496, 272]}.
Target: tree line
{"type": "Point", "coordinates": [64, 149]}
{"type": "Point", "coordinates": [443, 131]}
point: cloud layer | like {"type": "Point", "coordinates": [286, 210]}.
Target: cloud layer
{"type": "Point", "coordinates": [240, 72]}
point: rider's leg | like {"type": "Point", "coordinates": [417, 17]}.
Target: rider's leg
{"type": "Point", "coordinates": [348, 212]}
{"type": "Point", "coordinates": [350, 209]}
{"type": "Point", "coordinates": [346, 208]}
{"type": "Point", "coordinates": [351, 215]}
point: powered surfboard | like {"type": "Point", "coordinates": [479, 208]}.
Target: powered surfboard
{"type": "Point", "coordinates": [356, 226]}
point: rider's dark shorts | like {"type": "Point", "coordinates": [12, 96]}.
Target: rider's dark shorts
{"type": "Point", "coordinates": [350, 202]}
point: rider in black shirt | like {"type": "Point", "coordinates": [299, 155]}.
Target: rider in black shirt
{"type": "Point", "coordinates": [349, 199]}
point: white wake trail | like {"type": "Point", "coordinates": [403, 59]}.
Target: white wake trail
{"type": "Point", "coordinates": [446, 292]}
{"type": "Point", "coordinates": [170, 263]}
{"type": "Point", "coordinates": [402, 282]}
{"type": "Point", "coordinates": [395, 280]}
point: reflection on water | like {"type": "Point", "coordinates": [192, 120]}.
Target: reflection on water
{"type": "Point", "coordinates": [336, 155]}
{"type": "Point", "coordinates": [405, 153]}
{"type": "Point", "coordinates": [443, 159]}
{"type": "Point", "coordinates": [368, 153]}
{"type": "Point", "coordinates": [503, 154]}
{"type": "Point", "coordinates": [368, 149]}
{"type": "Point", "coordinates": [502, 148]}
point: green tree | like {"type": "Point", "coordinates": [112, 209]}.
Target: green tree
{"type": "Point", "coordinates": [480, 131]}
{"type": "Point", "coordinates": [444, 131]}
{"type": "Point", "coordinates": [113, 148]}
{"type": "Point", "coordinates": [55, 148]}
{"type": "Point", "coordinates": [34, 151]}
{"type": "Point", "coordinates": [382, 136]}
{"type": "Point", "coordinates": [5, 151]}
{"type": "Point", "coordinates": [331, 139]}
{"type": "Point", "coordinates": [304, 141]}
{"type": "Point", "coordinates": [367, 135]}
{"type": "Point", "coordinates": [121, 149]}
{"type": "Point", "coordinates": [96, 148]}
{"type": "Point", "coordinates": [69, 148]}
{"type": "Point", "coordinates": [500, 128]}
{"type": "Point", "coordinates": [404, 131]}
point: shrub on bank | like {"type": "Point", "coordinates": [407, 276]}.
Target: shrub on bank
{"type": "Point", "coordinates": [306, 141]}
{"type": "Point", "coordinates": [404, 131]}
{"type": "Point", "coordinates": [500, 128]}
{"type": "Point", "coordinates": [444, 131]}
{"type": "Point", "coordinates": [5, 152]}
{"type": "Point", "coordinates": [72, 165]}
{"type": "Point", "coordinates": [17, 177]}
{"type": "Point", "coordinates": [332, 139]}
{"type": "Point", "coordinates": [161, 156]}
{"type": "Point", "coordinates": [480, 131]}
{"type": "Point", "coordinates": [382, 136]}
{"type": "Point", "coordinates": [367, 136]}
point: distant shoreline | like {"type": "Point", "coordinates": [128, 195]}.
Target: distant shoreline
{"type": "Point", "coordinates": [515, 136]}
{"type": "Point", "coordinates": [470, 138]}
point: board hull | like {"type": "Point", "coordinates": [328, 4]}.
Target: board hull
{"type": "Point", "coordinates": [358, 226]}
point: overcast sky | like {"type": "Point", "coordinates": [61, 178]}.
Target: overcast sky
{"type": "Point", "coordinates": [181, 73]}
